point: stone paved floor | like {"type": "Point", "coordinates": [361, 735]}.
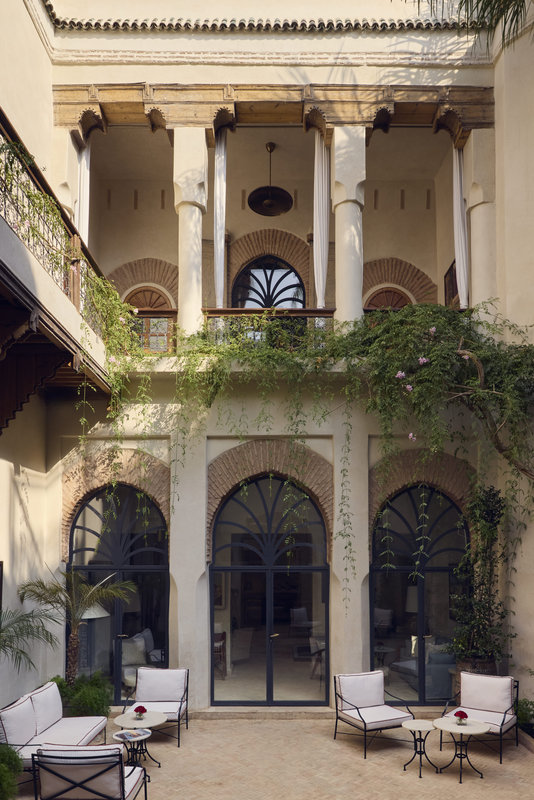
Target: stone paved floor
{"type": "Point", "coordinates": [270, 758]}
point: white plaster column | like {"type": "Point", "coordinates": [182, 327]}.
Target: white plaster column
{"type": "Point", "coordinates": [64, 172]}
{"type": "Point", "coordinates": [190, 176]}
{"type": "Point", "coordinates": [81, 215]}
{"type": "Point", "coordinates": [479, 192]}
{"type": "Point", "coordinates": [348, 181]}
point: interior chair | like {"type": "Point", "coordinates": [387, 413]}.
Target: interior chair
{"type": "Point", "coordinates": [361, 703]}
{"type": "Point", "coordinates": [68, 773]}
{"type": "Point", "coordinates": [487, 698]}
{"type": "Point", "coordinates": [299, 624]}
{"type": "Point", "coordinates": [164, 690]}
{"type": "Point", "coordinates": [317, 649]}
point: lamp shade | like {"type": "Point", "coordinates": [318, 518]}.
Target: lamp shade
{"type": "Point", "coordinates": [95, 612]}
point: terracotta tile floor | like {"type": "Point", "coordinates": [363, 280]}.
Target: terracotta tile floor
{"type": "Point", "coordinates": [265, 756]}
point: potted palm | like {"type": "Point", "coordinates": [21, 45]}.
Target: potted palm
{"type": "Point", "coordinates": [72, 595]}
{"type": "Point", "coordinates": [482, 634]}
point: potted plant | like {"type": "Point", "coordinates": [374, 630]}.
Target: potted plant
{"type": "Point", "coordinates": [88, 696]}
{"type": "Point", "coordinates": [482, 634]}
{"type": "Point", "coordinates": [10, 769]}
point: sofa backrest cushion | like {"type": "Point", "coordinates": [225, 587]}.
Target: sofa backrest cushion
{"type": "Point", "coordinates": [17, 722]}
{"type": "Point", "coordinates": [99, 768]}
{"type": "Point", "coordinates": [47, 706]}
{"type": "Point", "coordinates": [133, 651]}
{"type": "Point", "coordinates": [486, 692]}
{"type": "Point", "coordinates": [361, 690]}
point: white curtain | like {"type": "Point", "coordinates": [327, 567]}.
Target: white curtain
{"type": "Point", "coordinates": [321, 216]}
{"type": "Point", "coordinates": [460, 227]}
{"type": "Point", "coordinates": [219, 223]}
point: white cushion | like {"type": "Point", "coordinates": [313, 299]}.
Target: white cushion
{"type": "Point", "coordinates": [167, 707]}
{"type": "Point", "coordinates": [47, 706]}
{"type": "Point", "coordinates": [133, 780]}
{"type": "Point", "coordinates": [376, 717]}
{"type": "Point", "coordinates": [71, 730]}
{"type": "Point", "coordinates": [133, 651]}
{"type": "Point", "coordinates": [17, 722]}
{"type": "Point", "coordinates": [361, 690]}
{"type": "Point", "coordinates": [492, 718]}
{"type": "Point", "coordinates": [486, 692]}
{"type": "Point", "coordinates": [80, 764]}
{"type": "Point", "coordinates": [160, 684]}
{"type": "Point", "coordinates": [147, 637]}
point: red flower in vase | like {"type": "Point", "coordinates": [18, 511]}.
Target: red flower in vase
{"type": "Point", "coordinates": [460, 715]}
{"type": "Point", "coordinates": [140, 710]}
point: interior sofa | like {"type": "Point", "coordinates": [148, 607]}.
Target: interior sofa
{"type": "Point", "coordinates": [37, 718]}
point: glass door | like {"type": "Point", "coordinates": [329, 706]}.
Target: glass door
{"type": "Point", "coordinates": [121, 534]}
{"type": "Point", "coordinates": [269, 598]}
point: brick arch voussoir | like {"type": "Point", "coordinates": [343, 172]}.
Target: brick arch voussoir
{"type": "Point", "coordinates": [146, 270]}
{"type": "Point", "coordinates": [277, 456]}
{"type": "Point", "coordinates": [451, 475]}
{"type": "Point", "coordinates": [271, 241]}
{"type": "Point", "coordinates": [387, 271]}
{"type": "Point", "coordinates": [94, 472]}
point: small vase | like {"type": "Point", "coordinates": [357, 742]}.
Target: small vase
{"type": "Point", "coordinates": [460, 721]}
{"type": "Point", "coordinates": [139, 716]}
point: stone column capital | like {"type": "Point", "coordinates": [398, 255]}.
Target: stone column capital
{"type": "Point", "coordinates": [348, 165]}
{"type": "Point", "coordinates": [190, 168]}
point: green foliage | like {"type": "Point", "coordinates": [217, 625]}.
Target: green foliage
{"type": "Point", "coordinates": [18, 629]}
{"type": "Point", "coordinates": [525, 711]}
{"type": "Point", "coordinates": [72, 595]}
{"type": "Point", "coordinates": [88, 696]}
{"type": "Point", "coordinates": [481, 629]}
{"type": "Point", "coordinates": [10, 768]}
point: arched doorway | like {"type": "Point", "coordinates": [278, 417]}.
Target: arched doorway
{"type": "Point", "coordinates": [119, 531]}
{"type": "Point", "coordinates": [269, 597]}
{"type": "Point", "coordinates": [412, 617]}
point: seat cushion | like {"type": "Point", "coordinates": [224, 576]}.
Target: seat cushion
{"type": "Point", "coordinates": [47, 706]}
{"type": "Point", "coordinates": [376, 717]}
{"type": "Point", "coordinates": [133, 781]}
{"type": "Point", "coordinates": [17, 722]}
{"type": "Point", "coordinates": [492, 718]}
{"type": "Point", "coordinates": [168, 708]}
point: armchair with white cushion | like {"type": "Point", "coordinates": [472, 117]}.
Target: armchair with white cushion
{"type": "Point", "coordinates": [66, 772]}
{"type": "Point", "coordinates": [361, 703]}
{"type": "Point", "coordinates": [487, 698]}
{"type": "Point", "coordinates": [164, 690]}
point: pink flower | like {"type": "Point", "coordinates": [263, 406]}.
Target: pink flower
{"type": "Point", "coordinates": [112, 360]}
{"type": "Point", "coordinates": [412, 437]}
{"type": "Point", "coordinates": [409, 387]}
{"type": "Point", "coordinates": [432, 330]}
{"type": "Point", "coordinates": [134, 310]}
{"type": "Point", "coordinates": [423, 360]}
{"type": "Point", "coordinates": [121, 319]}
{"type": "Point", "coordinates": [466, 357]}
{"type": "Point", "coordinates": [400, 374]}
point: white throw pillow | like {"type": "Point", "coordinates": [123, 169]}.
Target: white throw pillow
{"type": "Point", "coordinates": [133, 651]}
{"type": "Point", "coordinates": [17, 722]}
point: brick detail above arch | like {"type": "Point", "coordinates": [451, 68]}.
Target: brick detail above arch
{"type": "Point", "coordinates": [262, 456]}
{"type": "Point", "coordinates": [270, 242]}
{"type": "Point", "coordinates": [146, 270]}
{"type": "Point", "coordinates": [95, 471]}
{"type": "Point", "coordinates": [445, 472]}
{"type": "Point", "coordinates": [393, 271]}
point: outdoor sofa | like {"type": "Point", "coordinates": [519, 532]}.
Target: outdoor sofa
{"type": "Point", "coordinates": [37, 719]}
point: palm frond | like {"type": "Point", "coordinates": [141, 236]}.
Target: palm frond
{"type": "Point", "coordinates": [17, 628]}
{"type": "Point", "coordinates": [510, 14]}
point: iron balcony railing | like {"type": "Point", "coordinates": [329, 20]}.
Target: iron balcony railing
{"type": "Point", "coordinates": [255, 323]}
{"type": "Point", "coordinates": [30, 208]}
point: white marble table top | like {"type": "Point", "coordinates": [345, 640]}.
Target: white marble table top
{"type": "Point", "coordinates": [418, 724]}
{"type": "Point", "coordinates": [469, 728]}
{"type": "Point", "coordinates": [150, 720]}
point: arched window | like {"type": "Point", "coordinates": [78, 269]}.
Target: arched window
{"type": "Point", "coordinates": [120, 532]}
{"type": "Point", "coordinates": [155, 320]}
{"type": "Point", "coordinates": [387, 297]}
{"type": "Point", "coordinates": [269, 589]}
{"type": "Point", "coordinates": [423, 533]}
{"type": "Point", "coordinates": [268, 282]}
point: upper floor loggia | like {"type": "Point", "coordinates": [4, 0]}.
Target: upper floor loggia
{"type": "Point", "coordinates": [204, 201]}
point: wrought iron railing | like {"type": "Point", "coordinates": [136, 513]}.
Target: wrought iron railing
{"type": "Point", "coordinates": [30, 208]}
{"type": "Point", "coordinates": [256, 323]}
{"type": "Point", "coordinates": [156, 330]}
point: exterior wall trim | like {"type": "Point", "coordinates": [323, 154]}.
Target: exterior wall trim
{"type": "Point", "coordinates": [280, 457]}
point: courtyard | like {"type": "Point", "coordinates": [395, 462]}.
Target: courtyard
{"type": "Point", "coordinates": [269, 755]}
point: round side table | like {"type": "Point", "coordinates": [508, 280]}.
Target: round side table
{"type": "Point", "coordinates": [461, 736]}
{"type": "Point", "coordinates": [135, 743]}
{"type": "Point", "coordinates": [149, 720]}
{"type": "Point", "coordinates": [418, 727]}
